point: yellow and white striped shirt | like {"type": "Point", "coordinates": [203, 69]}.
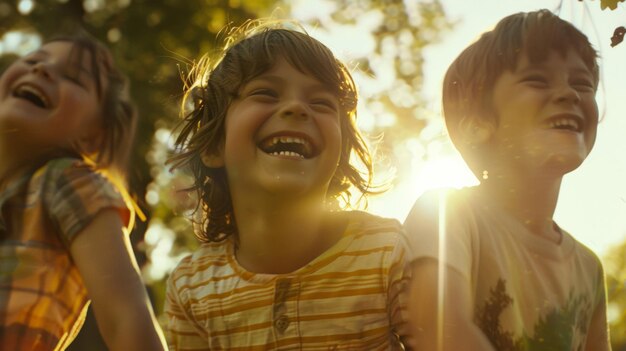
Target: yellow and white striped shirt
{"type": "Point", "coordinates": [352, 297]}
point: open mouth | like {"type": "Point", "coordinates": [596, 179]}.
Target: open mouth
{"type": "Point", "coordinates": [288, 145]}
{"type": "Point", "coordinates": [572, 124]}
{"type": "Point", "coordinates": [32, 94]}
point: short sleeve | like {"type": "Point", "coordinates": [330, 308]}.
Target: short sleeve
{"type": "Point", "coordinates": [601, 293]}
{"type": "Point", "coordinates": [74, 193]}
{"type": "Point", "coordinates": [181, 331]}
{"type": "Point", "coordinates": [442, 217]}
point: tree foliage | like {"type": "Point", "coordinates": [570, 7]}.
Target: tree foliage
{"type": "Point", "coordinates": [615, 267]}
{"type": "Point", "coordinates": [610, 4]}
{"type": "Point", "coordinates": [403, 31]}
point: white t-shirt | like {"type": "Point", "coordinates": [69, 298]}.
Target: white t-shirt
{"type": "Point", "coordinates": [529, 293]}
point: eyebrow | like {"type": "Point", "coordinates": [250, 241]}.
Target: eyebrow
{"type": "Point", "coordinates": [36, 52]}
{"type": "Point", "coordinates": [540, 66]}
{"type": "Point", "coordinates": [276, 79]}
{"type": "Point", "coordinates": [81, 68]}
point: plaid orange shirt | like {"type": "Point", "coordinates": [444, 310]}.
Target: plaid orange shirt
{"type": "Point", "coordinates": [42, 296]}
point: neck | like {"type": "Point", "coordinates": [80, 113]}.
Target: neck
{"type": "Point", "coordinates": [13, 163]}
{"type": "Point", "coordinates": [532, 200]}
{"type": "Point", "coordinates": [280, 236]}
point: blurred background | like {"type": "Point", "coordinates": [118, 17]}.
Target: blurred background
{"type": "Point", "coordinates": [398, 51]}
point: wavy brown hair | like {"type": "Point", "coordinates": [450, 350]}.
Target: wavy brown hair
{"type": "Point", "coordinates": [214, 82]}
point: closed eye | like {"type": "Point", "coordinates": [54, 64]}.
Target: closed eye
{"type": "Point", "coordinates": [584, 85]}
{"type": "Point", "coordinates": [33, 58]}
{"type": "Point", "coordinates": [325, 103]}
{"type": "Point", "coordinates": [535, 80]}
{"type": "Point", "coordinates": [263, 92]}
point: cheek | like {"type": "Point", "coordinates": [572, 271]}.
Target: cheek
{"type": "Point", "coordinates": [590, 138]}
{"type": "Point", "coordinates": [239, 135]}
{"type": "Point", "coordinates": [90, 113]}
{"type": "Point", "coordinates": [591, 112]}
{"type": "Point", "coordinates": [334, 137]}
{"type": "Point", "coordinates": [7, 78]}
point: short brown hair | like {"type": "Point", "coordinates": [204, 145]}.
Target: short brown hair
{"type": "Point", "coordinates": [469, 81]}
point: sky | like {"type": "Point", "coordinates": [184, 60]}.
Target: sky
{"type": "Point", "coordinates": [592, 203]}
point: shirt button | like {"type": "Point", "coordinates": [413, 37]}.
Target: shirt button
{"type": "Point", "coordinates": [281, 323]}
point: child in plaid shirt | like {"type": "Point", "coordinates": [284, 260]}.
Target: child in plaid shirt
{"type": "Point", "coordinates": [65, 122]}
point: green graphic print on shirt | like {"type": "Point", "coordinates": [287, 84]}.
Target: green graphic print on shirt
{"type": "Point", "coordinates": [560, 329]}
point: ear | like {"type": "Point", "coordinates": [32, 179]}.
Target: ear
{"type": "Point", "coordinates": [212, 160]}
{"type": "Point", "coordinates": [475, 131]}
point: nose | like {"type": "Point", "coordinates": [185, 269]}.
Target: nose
{"type": "Point", "coordinates": [568, 94]}
{"type": "Point", "coordinates": [41, 69]}
{"type": "Point", "coordinates": [295, 109]}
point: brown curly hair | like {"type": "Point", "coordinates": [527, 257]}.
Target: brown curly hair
{"type": "Point", "coordinates": [212, 85]}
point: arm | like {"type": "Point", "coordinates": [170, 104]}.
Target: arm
{"type": "Point", "coordinates": [456, 313]}
{"type": "Point", "coordinates": [598, 333]}
{"type": "Point", "coordinates": [441, 320]}
{"type": "Point", "coordinates": [107, 265]}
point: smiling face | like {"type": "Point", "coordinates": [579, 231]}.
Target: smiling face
{"type": "Point", "coordinates": [283, 135]}
{"type": "Point", "coordinates": [49, 102]}
{"type": "Point", "coordinates": [547, 115]}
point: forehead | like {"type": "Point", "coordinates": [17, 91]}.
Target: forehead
{"type": "Point", "coordinates": [282, 71]}
{"type": "Point", "coordinates": [553, 60]}
{"type": "Point", "coordinates": [64, 51]}
{"type": "Point", "coordinates": [78, 58]}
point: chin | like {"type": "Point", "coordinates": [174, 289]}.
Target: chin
{"type": "Point", "coordinates": [292, 186]}
{"type": "Point", "coordinates": [564, 163]}
{"type": "Point", "coordinates": [285, 185]}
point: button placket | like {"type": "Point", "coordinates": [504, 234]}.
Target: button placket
{"type": "Point", "coordinates": [284, 292]}
{"type": "Point", "coordinates": [281, 323]}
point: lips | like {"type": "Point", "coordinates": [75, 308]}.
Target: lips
{"type": "Point", "coordinates": [33, 94]}
{"type": "Point", "coordinates": [289, 144]}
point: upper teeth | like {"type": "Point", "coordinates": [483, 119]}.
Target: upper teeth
{"type": "Point", "coordinates": [561, 122]}
{"type": "Point", "coordinates": [287, 139]}
{"type": "Point", "coordinates": [27, 88]}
